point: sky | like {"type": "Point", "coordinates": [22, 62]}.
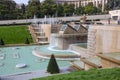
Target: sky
{"type": "Point", "coordinates": [23, 1]}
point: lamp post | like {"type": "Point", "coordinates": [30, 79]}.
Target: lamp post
{"type": "Point", "coordinates": [103, 5]}
{"type": "Point", "coordinates": [114, 5]}
{"type": "Point", "coordinates": [26, 16]}
{"type": "Point", "coordinates": [57, 13]}
{"type": "Point", "coordinates": [79, 3]}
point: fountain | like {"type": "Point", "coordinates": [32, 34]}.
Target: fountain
{"type": "Point", "coordinates": [21, 65]}
{"type": "Point", "coordinates": [53, 22]}
{"type": "Point", "coordinates": [35, 21]}
{"type": "Point", "coordinates": [58, 41]}
{"type": "Point", "coordinates": [40, 32]}
{"type": "Point", "coordinates": [44, 20]}
{"type": "Point", "coordinates": [49, 20]}
{"type": "Point", "coordinates": [53, 41]}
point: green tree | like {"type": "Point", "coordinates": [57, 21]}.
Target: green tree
{"type": "Point", "coordinates": [79, 10]}
{"type": "Point", "coordinates": [68, 9]}
{"type": "Point", "coordinates": [60, 10]}
{"type": "Point", "coordinates": [2, 42]}
{"type": "Point", "coordinates": [21, 12]}
{"type": "Point", "coordinates": [27, 41]}
{"type": "Point", "coordinates": [49, 7]}
{"type": "Point", "coordinates": [90, 9]}
{"type": "Point", "coordinates": [52, 65]}
{"type": "Point", "coordinates": [33, 8]}
{"type": "Point", "coordinates": [23, 8]}
{"type": "Point", "coordinates": [7, 9]}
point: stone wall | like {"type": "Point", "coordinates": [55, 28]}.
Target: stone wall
{"type": "Point", "coordinates": [103, 39]}
{"type": "Point", "coordinates": [63, 41]}
{"type": "Point", "coordinates": [91, 41]}
{"type": "Point", "coordinates": [36, 32]}
{"type": "Point", "coordinates": [47, 30]}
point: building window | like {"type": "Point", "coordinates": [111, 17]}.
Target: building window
{"type": "Point", "coordinates": [115, 17]}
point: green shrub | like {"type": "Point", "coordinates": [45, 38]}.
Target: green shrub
{"type": "Point", "coordinates": [27, 41]}
{"type": "Point", "coordinates": [2, 42]}
{"type": "Point", "coordinates": [52, 65]}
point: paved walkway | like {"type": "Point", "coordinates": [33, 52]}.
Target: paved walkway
{"type": "Point", "coordinates": [35, 74]}
{"type": "Point", "coordinates": [74, 18]}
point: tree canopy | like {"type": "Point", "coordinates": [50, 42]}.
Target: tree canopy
{"type": "Point", "coordinates": [10, 10]}
{"type": "Point", "coordinates": [33, 8]}
{"type": "Point", "coordinates": [91, 9]}
{"type": "Point", "coordinates": [113, 4]}
{"type": "Point", "coordinates": [7, 9]}
{"type": "Point", "coordinates": [49, 7]}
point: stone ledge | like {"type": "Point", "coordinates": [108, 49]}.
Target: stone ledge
{"type": "Point", "coordinates": [108, 58]}
{"type": "Point", "coordinates": [90, 63]}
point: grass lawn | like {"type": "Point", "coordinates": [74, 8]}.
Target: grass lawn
{"type": "Point", "coordinates": [93, 74]}
{"type": "Point", "coordinates": [14, 34]}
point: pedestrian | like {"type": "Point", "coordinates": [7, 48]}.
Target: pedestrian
{"type": "Point", "coordinates": [118, 21]}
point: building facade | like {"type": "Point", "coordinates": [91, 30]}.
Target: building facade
{"type": "Point", "coordinates": [75, 2]}
{"type": "Point", "coordinates": [78, 3]}
{"type": "Point", "coordinates": [95, 2]}
{"type": "Point", "coordinates": [115, 14]}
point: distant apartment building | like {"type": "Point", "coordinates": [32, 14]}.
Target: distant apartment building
{"type": "Point", "coordinates": [75, 2]}
{"type": "Point", "coordinates": [95, 2]}
{"type": "Point", "coordinates": [78, 3]}
{"type": "Point", "coordinates": [115, 14]}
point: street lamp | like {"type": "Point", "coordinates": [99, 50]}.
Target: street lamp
{"type": "Point", "coordinates": [26, 16]}
{"type": "Point", "coordinates": [57, 13]}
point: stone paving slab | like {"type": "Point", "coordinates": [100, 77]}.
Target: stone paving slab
{"type": "Point", "coordinates": [34, 74]}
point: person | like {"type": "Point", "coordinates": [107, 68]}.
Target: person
{"type": "Point", "coordinates": [118, 21]}
{"type": "Point", "coordinates": [108, 20]}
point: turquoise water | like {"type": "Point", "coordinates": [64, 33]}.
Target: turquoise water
{"type": "Point", "coordinates": [84, 45]}
{"type": "Point", "coordinates": [7, 65]}
{"type": "Point", "coordinates": [45, 49]}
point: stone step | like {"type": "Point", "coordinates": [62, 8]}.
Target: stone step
{"type": "Point", "coordinates": [109, 59]}
{"type": "Point", "coordinates": [79, 65]}
{"type": "Point", "coordinates": [92, 62]}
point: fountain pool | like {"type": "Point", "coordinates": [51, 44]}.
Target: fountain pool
{"type": "Point", "coordinates": [45, 52]}
{"type": "Point", "coordinates": [8, 61]}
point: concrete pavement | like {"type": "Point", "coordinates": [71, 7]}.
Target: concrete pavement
{"type": "Point", "coordinates": [35, 74]}
{"type": "Point", "coordinates": [71, 18]}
